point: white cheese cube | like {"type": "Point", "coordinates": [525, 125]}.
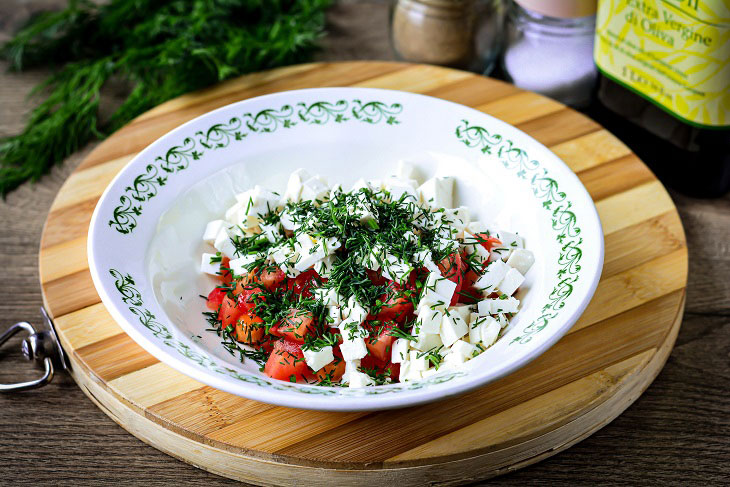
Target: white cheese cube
{"type": "Point", "coordinates": [521, 259]}
{"type": "Point", "coordinates": [437, 192]}
{"type": "Point", "coordinates": [316, 359]}
{"type": "Point", "coordinates": [510, 240]}
{"type": "Point", "coordinates": [309, 258]}
{"type": "Point", "coordinates": [511, 281]}
{"type": "Point", "coordinates": [472, 245]}
{"type": "Point", "coordinates": [324, 266]}
{"type": "Point", "coordinates": [335, 314]}
{"type": "Point", "coordinates": [208, 267]}
{"type": "Point", "coordinates": [477, 226]}
{"type": "Point", "coordinates": [287, 222]}
{"type": "Point", "coordinates": [351, 366]}
{"type": "Point", "coordinates": [483, 329]}
{"type": "Point", "coordinates": [271, 232]}
{"type": "Point", "coordinates": [399, 352]}
{"type": "Point", "coordinates": [492, 276]}
{"type": "Point", "coordinates": [396, 269]}
{"type": "Point", "coordinates": [224, 245]}
{"type": "Point", "coordinates": [359, 184]}
{"type": "Point", "coordinates": [353, 345]}
{"type": "Point", "coordinates": [315, 188]}
{"type": "Point", "coordinates": [405, 373]}
{"type": "Point", "coordinates": [360, 379]}
{"type": "Point", "coordinates": [258, 200]}
{"type": "Point", "coordinates": [438, 288]}
{"type": "Point", "coordinates": [463, 349]}
{"type": "Point", "coordinates": [372, 260]}
{"type": "Point", "coordinates": [417, 363]}
{"type": "Point", "coordinates": [502, 320]}
{"type": "Point", "coordinates": [398, 188]}
{"type": "Point", "coordinates": [427, 341]}
{"type": "Point", "coordinates": [494, 306]}
{"type": "Point", "coordinates": [333, 298]}
{"type": "Point", "coordinates": [375, 184]}
{"type": "Point", "coordinates": [429, 320]}
{"type": "Point", "coordinates": [424, 258]}
{"type": "Point", "coordinates": [212, 230]}
{"type": "Point", "coordinates": [355, 311]}
{"type": "Point", "coordinates": [463, 311]}
{"type": "Point", "coordinates": [282, 254]}
{"type": "Point", "coordinates": [405, 170]}
{"type": "Point", "coordinates": [457, 218]}
{"type": "Point", "coordinates": [453, 327]}
{"type": "Point", "coordinates": [238, 266]}
{"type": "Point", "coordinates": [452, 361]}
{"type": "Point", "coordinates": [231, 213]}
{"type": "Point", "coordinates": [439, 305]}
{"type": "Point", "coordinates": [294, 185]}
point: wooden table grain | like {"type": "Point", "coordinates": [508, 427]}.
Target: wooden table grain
{"type": "Point", "coordinates": [677, 433]}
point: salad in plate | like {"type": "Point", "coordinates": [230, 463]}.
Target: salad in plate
{"type": "Point", "coordinates": [386, 282]}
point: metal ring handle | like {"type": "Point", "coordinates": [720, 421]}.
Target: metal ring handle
{"type": "Point", "coordinates": [41, 347]}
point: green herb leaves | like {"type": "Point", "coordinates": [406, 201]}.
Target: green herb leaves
{"type": "Point", "coordinates": [161, 48]}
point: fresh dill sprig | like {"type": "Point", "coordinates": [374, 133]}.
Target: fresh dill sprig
{"type": "Point", "coordinates": [160, 48]}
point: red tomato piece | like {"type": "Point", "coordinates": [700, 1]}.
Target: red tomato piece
{"type": "Point", "coordinates": [249, 329]}
{"type": "Point", "coordinates": [304, 282]}
{"type": "Point", "coordinates": [286, 362]}
{"type": "Point", "coordinates": [487, 241]}
{"type": "Point", "coordinates": [296, 325]}
{"type": "Point", "coordinates": [376, 277]}
{"type": "Point", "coordinates": [451, 268]}
{"type": "Point", "coordinates": [249, 296]}
{"type": "Point", "coordinates": [333, 371]}
{"type": "Point", "coordinates": [397, 304]}
{"type": "Point", "coordinates": [270, 277]}
{"type": "Point", "coordinates": [380, 342]}
{"type": "Point", "coordinates": [215, 299]}
{"type": "Point", "coordinates": [229, 312]}
{"type": "Point", "coordinates": [225, 273]}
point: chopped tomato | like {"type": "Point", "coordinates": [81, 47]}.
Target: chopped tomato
{"type": "Point", "coordinates": [286, 362]}
{"type": "Point", "coordinates": [376, 277]}
{"type": "Point", "coordinates": [295, 326]}
{"type": "Point", "coordinates": [380, 341]}
{"type": "Point", "coordinates": [249, 296]}
{"type": "Point", "coordinates": [270, 277]}
{"type": "Point", "coordinates": [249, 328]}
{"type": "Point", "coordinates": [397, 304]}
{"type": "Point", "coordinates": [333, 371]}
{"type": "Point", "coordinates": [487, 241]}
{"type": "Point", "coordinates": [451, 268]}
{"type": "Point", "coordinates": [226, 276]}
{"type": "Point", "coordinates": [304, 282]}
{"type": "Point", "coordinates": [215, 298]}
{"type": "Point", "coordinates": [229, 312]}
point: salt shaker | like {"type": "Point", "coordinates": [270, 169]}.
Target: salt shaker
{"type": "Point", "coordinates": [549, 48]}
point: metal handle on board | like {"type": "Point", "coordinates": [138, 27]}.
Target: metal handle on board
{"type": "Point", "coordinates": [41, 347]}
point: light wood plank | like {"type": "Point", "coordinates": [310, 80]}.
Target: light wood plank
{"type": "Point", "coordinates": [520, 107]}
{"type": "Point", "coordinates": [590, 150]}
{"type": "Point", "coordinates": [417, 78]}
{"type": "Point", "coordinates": [64, 259]}
{"type": "Point", "coordinates": [86, 326]}
{"type": "Point", "coordinates": [153, 385]}
{"type": "Point", "coordinates": [633, 206]}
{"type": "Point", "coordinates": [86, 184]}
{"type": "Point", "coordinates": [114, 357]}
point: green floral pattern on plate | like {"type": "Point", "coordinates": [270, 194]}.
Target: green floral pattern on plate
{"type": "Point", "coordinates": [219, 136]}
{"type": "Point", "coordinates": [564, 221]}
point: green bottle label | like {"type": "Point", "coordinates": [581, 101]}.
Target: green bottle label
{"type": "Point", "coordinates": [675, 53]}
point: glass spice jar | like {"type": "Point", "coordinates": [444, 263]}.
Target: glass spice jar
{"type": "Point", "coordinates": [457, 33]}
{"type": "Point", "coordinates": [549, 48]}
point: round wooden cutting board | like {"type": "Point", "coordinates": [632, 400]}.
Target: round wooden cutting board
{"type": "Point", "coordinates": [583, 382]}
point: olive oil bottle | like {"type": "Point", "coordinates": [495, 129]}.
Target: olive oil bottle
{"type": "Point", "coordinates": [665, 79]}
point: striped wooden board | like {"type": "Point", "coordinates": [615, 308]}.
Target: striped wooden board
{"type": "Point", "coordinates": [604, 363]}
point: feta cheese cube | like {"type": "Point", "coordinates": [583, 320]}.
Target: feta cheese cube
{"type": "Point", "coordinates": [396, 269]}
{"type": "Point", "coordinates": [316, 359]}
{"type": "Point", "coordinates": [399, 352]}
{"type": "Point", "coordinates": [494, 306]}
{"type": "Point", "coordinates": [424, 258]}
{"type": "Point", "coordinates": [438, 288]}
{"type": "Point", "coordinates": [309, 258]}
{"type": "Point", "coordinates": [271, 232]}
{"type": "Point", "coordinates": [212, 230]}
{"type": "Point", "coordinates": [484, 330]}
{"type": "Point", "coordinates": [477, 226]}
{"type": "Point", "coordinates": [353, 345]}
{"type": "Point", "coordinates": [335, 314]}
{"type": "Point", "coordinates": [429, 320]}
{"type": "Point", "coordinates": [405, 170]}
{"type": "Point", "coordinates": [511, 281]}
{"type": "Point", "coordinates": [472, 245]}
{"type": "Point", "coordinates": [502, 320]}
{"type": "Point", "coordinates": [427, 341]}
{"type": "Point", "coordinates": [355, 311]}
{"type": "Point", "coordinates": [287, 222]}
{"type": "Point", "coordinates": [463, 311]}
{"type": "Point", "coordinates": [463, 349]}
{"type": "Point", "coordinates": [437, 192]}
{"type": "Point", "coordinates": [492, 276]}
{"type": "Point", "coordinates": [439, 305]}
{"type": "Point", "coordinates": [452, 361]}
{"type": "Point", "coordinates": [401, 188]}
{"type": "Point", "coordinates": [238, 266]}
{"type": "Point", "coordinates": [258, 200]}
{"type": "Point", "coordinates": [521, 259]}
{"type": "Point", "coordinates": [324, 266]}
{"type": "Point", "coordinates": [425, 374]}
{"type": "Point", "coordinates": [208, 267]}
{"type": "Point", "coordinates": [224, 244]}
{"type": "Point", "coordinates": [453, 327]}
{"type": "Point", "coordinates": [510, 240]}
{"type": "Point", "coordinates": [294, 185]}
{"type": "Point", "coordinates": [360, 379]}
{"type": "Point", "coordinates": [417, 363]}
{"type": "Point", "coordinates": [458, 219]}
{"type": "Point", "coordinates": [350, 367]}
{"type": "Point", "coordinates": [373, 259]}
{"type": "Point", "coordinates": [315, 188]}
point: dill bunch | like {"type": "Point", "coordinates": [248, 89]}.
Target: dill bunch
{"type": "Point", "coordinates": [161, 48]}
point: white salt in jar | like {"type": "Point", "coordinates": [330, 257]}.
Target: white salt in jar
{"type": "Point", "coordinates": [550, 48]}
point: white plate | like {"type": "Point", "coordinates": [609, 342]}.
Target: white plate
{"type": "Point", "coordinates": [145, 236]}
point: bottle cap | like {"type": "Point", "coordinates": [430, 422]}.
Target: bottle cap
{"type": "Point", "coordinates": [563, 9]}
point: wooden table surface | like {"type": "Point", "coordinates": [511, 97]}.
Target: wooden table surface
{"type": "Point", "coordinates": [677, 433]}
